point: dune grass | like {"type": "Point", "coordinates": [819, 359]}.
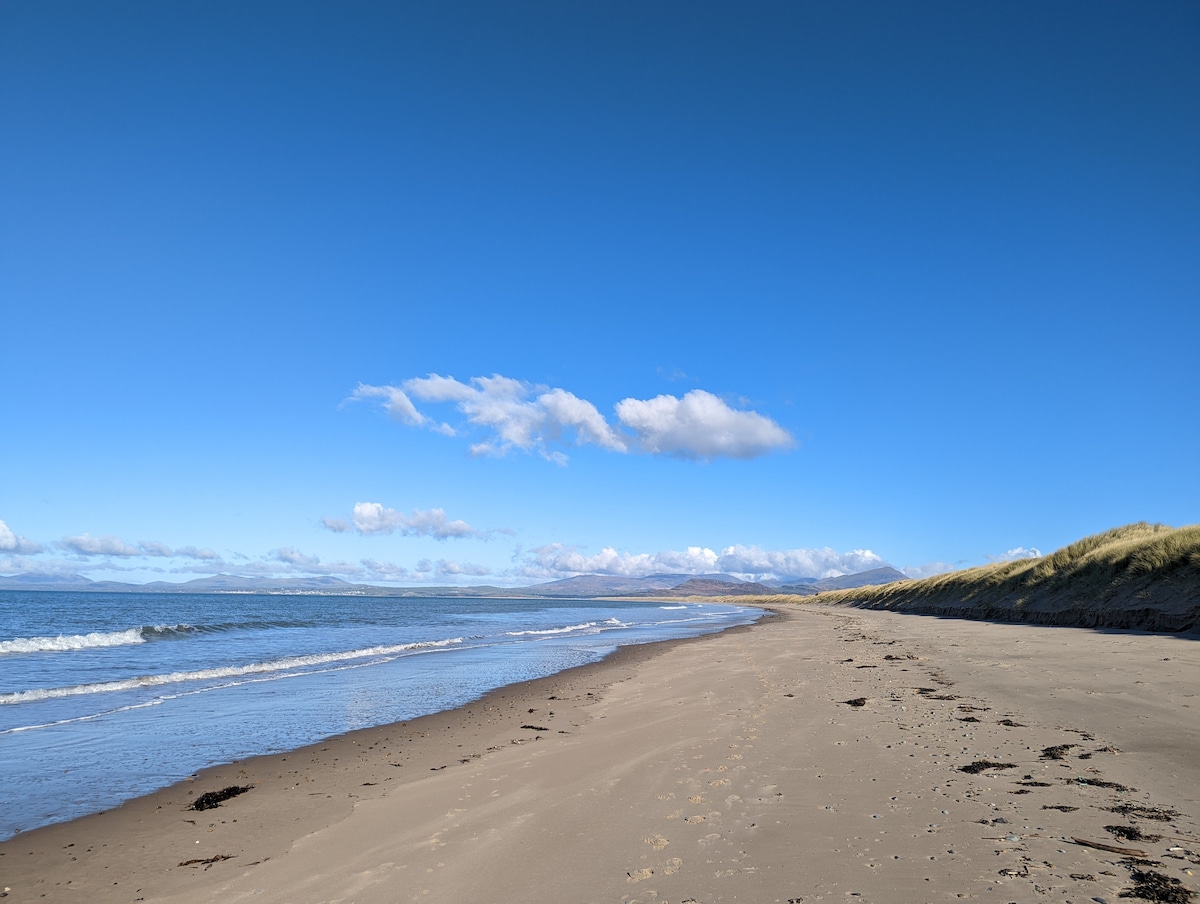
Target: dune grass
{"type": "Point", "coordinates": [1141, 575]}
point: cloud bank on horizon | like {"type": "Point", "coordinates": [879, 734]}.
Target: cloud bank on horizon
{"type": "Point", "coordinates": [82, 553]}
{"type": "Point", "coordinates": [512, 414]}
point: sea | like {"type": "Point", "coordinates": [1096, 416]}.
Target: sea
{"type": "Point", "coordinates": [109, 696]}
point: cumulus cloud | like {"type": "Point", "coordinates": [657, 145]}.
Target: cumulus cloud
{"type": "Point", "coordinates": [453, 569]}
{"type": "Point", "coordinates": [781, 564]}
{"type": "Point", "coordinates": [375, 518]}
{"type": "Point", "coordinates": [519, 415]}
{"type": "Point", "coordinates": [191, 552]}
{"type": "Point", "coordinates": [700, 425]}
{"type": "Point", "coordinates": [387, 571]}
{"type": "Point", "coordinates": [1018, 552]}
{"type": "Point", "coordinates": [107, 545]}
{"type": "Point", "coordinates": [298, 562]}
{"type": "Point", "coordinates": [14, 543]}
{"type": "Point", "coordinates": [395, 402]}
{"type": "Point", "coordinates": [747, 562]}
{"type": "Point", "coordinates": [441, 569]}
{"type": "Point", "coordinates": [512, 414]}
{"type": "Point", "coordinates": [929, 569]}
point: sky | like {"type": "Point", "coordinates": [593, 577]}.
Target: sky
{"type": "Point", "coordinates": [500, 293]}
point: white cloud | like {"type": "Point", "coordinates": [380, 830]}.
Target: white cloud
{"type": "Point", "coordinates": [454, 569]}
{"type": "Point", "coordinates": [375, 518]}
{"type": "Point", "coordinates": [14, 543]}
{"type": "Point", "coordinates": [387, 571]}
{"type": "Point", "coordinates": [292, 556]}
{"type": "Point", "coordinates": [302, 563]}
{"type": "Point", "coordinates": [747, 562]}
{"type": "Point", "coordinates": [700, 425]}
{"type": "Point", "coordinates": [518, 415]}
{"type": "Point", "coordinates": [192, 552]}
{"type": "Point", "coordinates": [395, 402]}
{"type": "Point", "coordinates": [766, 564]}
{"type": "Point", "coordinates": [929, 569]}
{"type": "Point", "coordinates": [107, 545]}
{"type": "Point", "coordinates": [1018, 552]}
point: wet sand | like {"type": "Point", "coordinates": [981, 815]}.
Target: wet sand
{"type": "Point", "coordinates": [823, 755]}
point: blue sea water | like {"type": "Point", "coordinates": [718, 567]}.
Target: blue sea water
{"type": "Point", "coordinates": [107, 696]}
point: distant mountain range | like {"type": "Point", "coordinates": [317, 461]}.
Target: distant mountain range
{"type": "Point", "coordinates": [579, 587]}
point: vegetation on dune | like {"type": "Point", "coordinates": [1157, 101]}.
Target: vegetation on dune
{"type": "Point", "coordinates": [1144, 576]}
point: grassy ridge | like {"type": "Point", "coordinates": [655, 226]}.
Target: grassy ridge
{"type": "Point", "coordinates": [1143, 576]}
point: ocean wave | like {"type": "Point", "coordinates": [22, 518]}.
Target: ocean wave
{"type": "Point", "coordinates": [69, 643]}
{"type": "Point", "coordinates": [590, 627]}
{"type": "Point", "coordinates": [65, 643]}
{"type": "Point", "coordinates": [236, 671]}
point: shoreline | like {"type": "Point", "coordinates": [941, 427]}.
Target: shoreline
{"type": "Point", "coordinates": [729, 766]}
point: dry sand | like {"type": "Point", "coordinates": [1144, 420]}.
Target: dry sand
{"type": "Point", "coordinates": [726, 768]}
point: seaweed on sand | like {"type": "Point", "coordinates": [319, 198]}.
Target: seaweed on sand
{"type": "Point", "coordinates": [1057, 752]}
{"type": "Point", "coordinates": [210, 799]}
{"type": "Point", "coordinates": [1151, 886]}
{"type": "Point", "coordinates": [982, 765]}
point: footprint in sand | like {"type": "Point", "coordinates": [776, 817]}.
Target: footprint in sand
{"type": "Point", "coordinates": [638, 875]}
{"type": "Point", "coordinates": [656, 841]}
{"type": "Point", "coordinates": [719, 782]}
{"type": "Point", "coordinates": [696, 799]}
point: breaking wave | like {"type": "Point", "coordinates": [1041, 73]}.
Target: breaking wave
{"type": "Point", "coordinates": [587, 627]}
{"type": "Point", "coordinates": [238, 671]}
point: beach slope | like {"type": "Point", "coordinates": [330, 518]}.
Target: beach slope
{"type": "Point", "coordinates": [823, 755]}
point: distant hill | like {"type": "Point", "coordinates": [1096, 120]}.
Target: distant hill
{"type": "Point", "coordinates": [884, 575]}
{"type": "Point", "coordinates": [217, 583]}
{"type": "Point", "coordinates": [707, 586]}
{"type": "Point", "coordinates": [44, 581]}
{"type": "Point", "coordinates": [606, 585]}
{"type": "Point", "coordinates": [1141, 576]}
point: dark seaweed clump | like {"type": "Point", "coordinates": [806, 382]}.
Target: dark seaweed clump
{"type": "Point", "coordinates": [1057, 752]}
{"type": "Point", "coordinates": [981, 765]}
{"type": "Point", "coordinates": [1151, 886]}
{"type": "Point", "coordinates": [857, 701]}
{"type": "Point", "coordinates": [1132, 833]}
{"type": "Point", "coordinates": [1160, 814]}
{"type": "Point", "coordinates": [210, 799]}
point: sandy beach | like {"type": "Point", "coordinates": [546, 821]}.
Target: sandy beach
{"type": "Point", "coordinates": [822, 755]}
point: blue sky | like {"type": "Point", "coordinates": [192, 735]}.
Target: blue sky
{"type": "Point", "coordinates": [501, 292]}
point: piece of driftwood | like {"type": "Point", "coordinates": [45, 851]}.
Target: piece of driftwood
{"type": "Point", "coordinates": [1111, 848]}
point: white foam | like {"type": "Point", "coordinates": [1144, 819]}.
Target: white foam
{"type": "Point", "coordinates": [69, 642]}
{"type": "Point", "coordinates": [254, 668]}
{"type": "Point", "coordinates": [566, 630]}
